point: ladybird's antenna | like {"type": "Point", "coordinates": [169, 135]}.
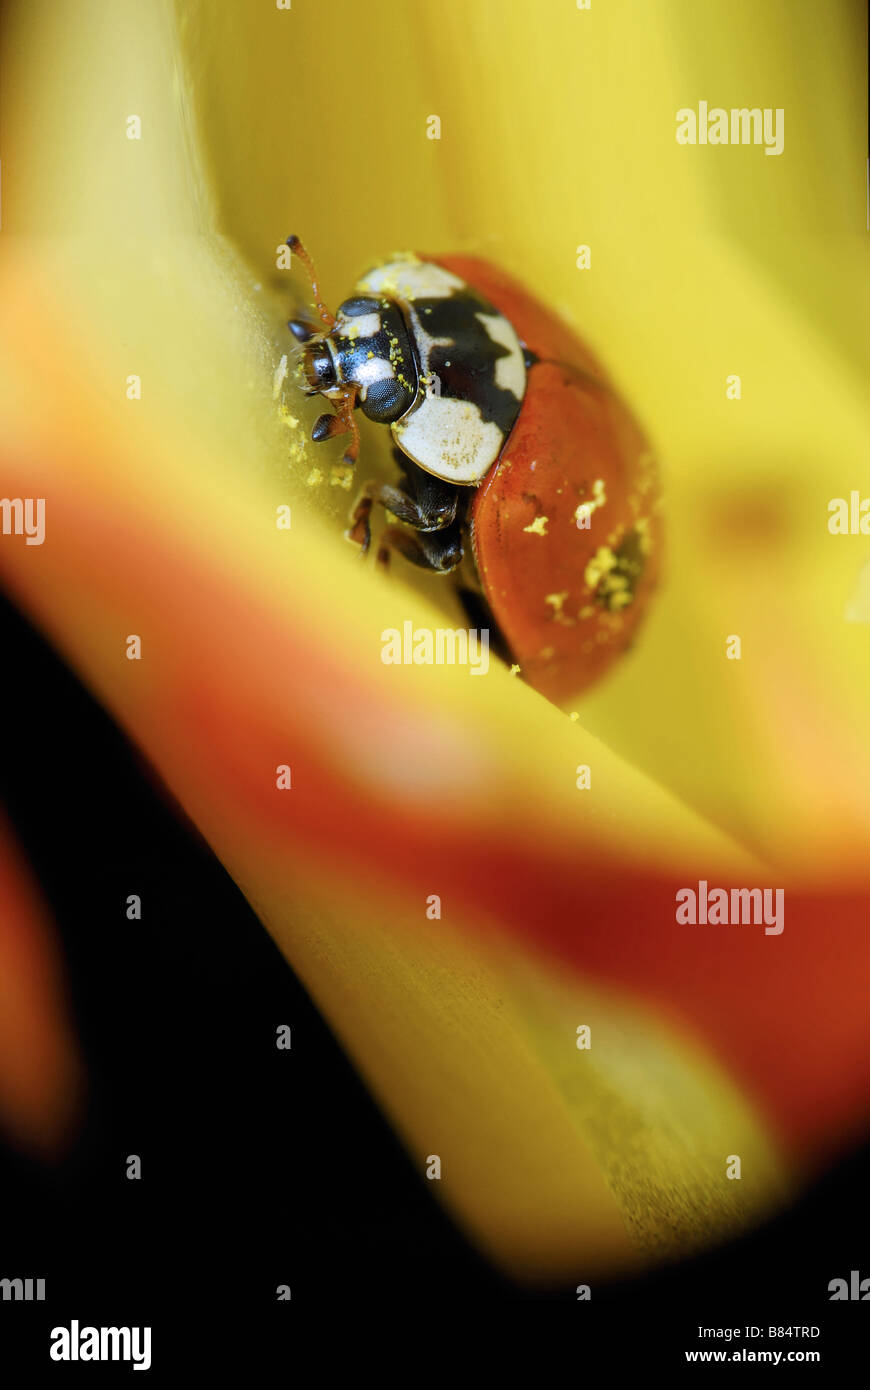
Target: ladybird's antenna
{"type": "Point", "coordinates": [297, 249]}
{"type": "Point", "coordinates": [346, 415]}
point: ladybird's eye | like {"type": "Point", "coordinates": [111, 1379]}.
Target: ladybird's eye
{"type": "Point", "coordinates": [385, 400]}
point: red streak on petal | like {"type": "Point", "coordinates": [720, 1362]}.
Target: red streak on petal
{"type": "Point", "coordinates": [233, 689]}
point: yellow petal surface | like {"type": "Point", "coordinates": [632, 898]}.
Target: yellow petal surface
{"type": "Point", "coordinates": [261, 647]}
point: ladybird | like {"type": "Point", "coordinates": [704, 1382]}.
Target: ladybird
{"type": "Point", "coordinates": [522, 473]}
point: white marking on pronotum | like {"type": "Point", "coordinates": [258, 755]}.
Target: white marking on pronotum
{"type": "Point", "coordinates": [411, 280]}
{"type": "Point", "coordinates": [363, 326]}
{"type": "Point", "coordinates": [449, 438]}
{"type": "Point", "coordinates": [375, 369]}
{"type": "Point", "coordinates": [510, 372]}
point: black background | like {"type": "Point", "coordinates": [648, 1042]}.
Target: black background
{"type": "Point", "coordinates": [263, 1167]}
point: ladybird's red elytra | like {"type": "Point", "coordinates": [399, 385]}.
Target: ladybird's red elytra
{"type": "Point", "coordinates": [522, 472]}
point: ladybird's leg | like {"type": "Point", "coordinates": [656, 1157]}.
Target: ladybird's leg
{"type": "Point", "coordinates": [428, 504]}
{"type": "Point", "coordinates": [395, 501]}
{"type": "Point", "coordinates": [400, 503]}
{"type": "Point", "coordinates": [351, 453]}
{"type": "Point", "coordinates": [440, 551]}
{"type": "Point", "coordinates": [343, 422]}
{"type": "Point", "coordinates": [437, 501]}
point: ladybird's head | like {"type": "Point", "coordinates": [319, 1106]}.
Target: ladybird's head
{"type": "Point", "coordinates": [366, 353]}
{"type": "Point", "coordinates": [363, 356]}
